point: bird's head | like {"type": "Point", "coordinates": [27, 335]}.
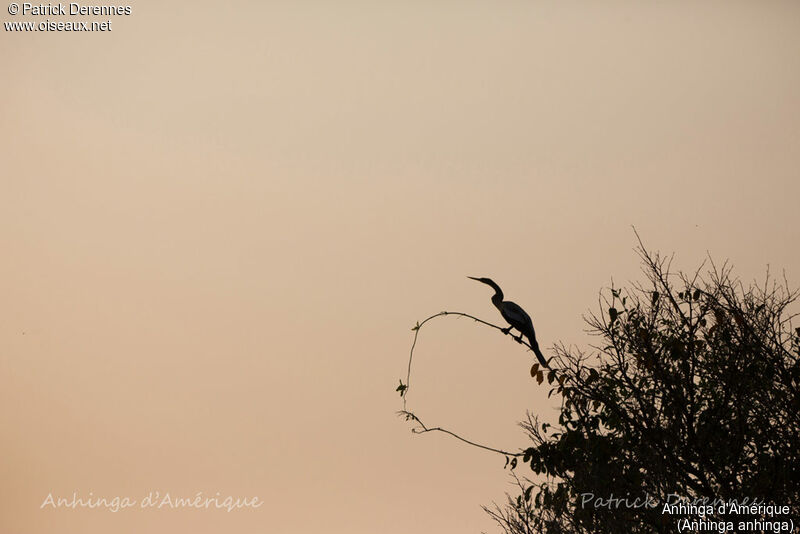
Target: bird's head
{"type": "Point", "coordinates": [489, 282]}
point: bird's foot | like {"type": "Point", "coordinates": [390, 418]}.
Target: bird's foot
{"type": "Point", "coordinates": [506, 331]}
{"type": "Point", "coordinates": [518, 339]}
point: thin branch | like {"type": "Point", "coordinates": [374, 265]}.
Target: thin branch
{"type": "Point", "coordinates": [405, 387]}
{"type": "Point", "coordinates": [418, 326]}
{"type": "Point", "coordinates": [424, 429]}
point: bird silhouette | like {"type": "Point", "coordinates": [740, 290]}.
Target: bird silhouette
{"type": "Point", "coordinates": [515, 316]}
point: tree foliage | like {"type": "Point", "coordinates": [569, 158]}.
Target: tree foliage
{"type": "Point", "coordinates": [692, 391]}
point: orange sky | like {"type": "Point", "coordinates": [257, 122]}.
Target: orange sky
{"type": "Point", "coordinates": [220, 221]}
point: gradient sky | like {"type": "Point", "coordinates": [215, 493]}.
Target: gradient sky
{"type": "Point", "coordinates": [219, 222]}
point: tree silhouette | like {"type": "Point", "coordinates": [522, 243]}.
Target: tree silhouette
{"type": "Point", "coordinates": [691, 395]}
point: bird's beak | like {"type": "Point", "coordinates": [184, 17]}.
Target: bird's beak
{"type": "Point", "coordinates": [473, 278]}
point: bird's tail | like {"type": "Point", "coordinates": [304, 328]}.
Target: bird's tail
{"type": "Point", "coordinates": [537, 351]}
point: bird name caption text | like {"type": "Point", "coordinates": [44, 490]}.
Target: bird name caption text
{"type": "Point", "coordinates": [154, 500]}
{"type": "Point", "coordinates": [700, 514]}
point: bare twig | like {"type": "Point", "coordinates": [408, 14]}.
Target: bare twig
{"type": "Point", "coordinates": [405, 387]}
{"type": "Point", "coordinates": [418, 326]}
{"type": "Point", "coordinates": [423, 429]}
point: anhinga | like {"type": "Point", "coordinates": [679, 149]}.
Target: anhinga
{"type": "Point", "coordinates": [515, 316]}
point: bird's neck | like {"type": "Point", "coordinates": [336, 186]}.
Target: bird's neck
{"type": "Point", "coordinates": [497, 298]}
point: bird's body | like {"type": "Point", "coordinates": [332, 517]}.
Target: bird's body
{"type": "Point", "coordinates": [516, 317]}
